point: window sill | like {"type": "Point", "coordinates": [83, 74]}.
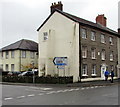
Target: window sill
{"type": "Point", "coordinates": [94, 58]}
{"type": "Point", "coordinates": [84, 75]}
{"type": "Point", "coordinates": [93, 75]}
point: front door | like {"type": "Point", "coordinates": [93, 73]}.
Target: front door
{"type": "Point", "coordinates": [103, 69]}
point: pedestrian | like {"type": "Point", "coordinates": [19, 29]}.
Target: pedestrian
{"type": "Point", "coordinates": [106, 75]}
{"type": "Point", "coordinates": [112, 76]}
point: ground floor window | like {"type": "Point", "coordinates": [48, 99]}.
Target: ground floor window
{"type": "Point", "coordinates": [93, 70]}
{"type": "Point", "coordinates": [84, 70]}
{"type": "Point", "coordinates": [6, 67]}
{"type": "Point", "coordinates": [12, 67]}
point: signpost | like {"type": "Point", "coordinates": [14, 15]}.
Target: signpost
{"type": "Point", "coordinates": [61, 62]}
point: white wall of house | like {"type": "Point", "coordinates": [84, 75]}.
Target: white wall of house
{"type": "Point", "coordinates": [63, 41]}
{"type": "Point", "coordinates": [17, 60]}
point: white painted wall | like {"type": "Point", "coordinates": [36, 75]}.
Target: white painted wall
{"type": "Point", "coordinates": [63, 41]}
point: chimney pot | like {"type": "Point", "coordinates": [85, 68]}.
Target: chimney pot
{"type": "Point", "coordinates": [56, 6]}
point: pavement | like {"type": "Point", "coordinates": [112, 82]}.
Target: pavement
{"type": "Point", "coordinates": [85, 83]}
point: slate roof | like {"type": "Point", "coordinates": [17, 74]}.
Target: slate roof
{"type": "Point", "coordinates": [82, 22]}
{"type": "Point", "coordinates": [22, 45]}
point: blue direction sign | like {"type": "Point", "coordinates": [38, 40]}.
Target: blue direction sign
{"type": "Point", "coordinates": [60, 61]}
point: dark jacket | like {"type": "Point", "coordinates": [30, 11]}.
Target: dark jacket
{"type": "Point", "coordinates": [112, 74]}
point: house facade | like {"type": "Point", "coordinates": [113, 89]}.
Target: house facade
{"type": "Point", "coordinates": [86, 49]}
{"type": "Point", "coordinates": [19, 56]}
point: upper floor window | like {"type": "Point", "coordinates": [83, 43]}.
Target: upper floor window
{"type": "Point", "coordinates": [45, 36]}
{"type": "Point", "coordinates": [84, 33]}
{"type": "Point", "coordinates": [1, 54]}
{"type": "Point", "coordinates": [12, 54]}
{"type": "Point", "coordinates": [23, 54]}
{"type": "Point", "coordinates": [84, 70]}
{"type": "Point", "coordinates": [93, 36]}
{"type": "Point", "coordinates": [7, 54]}
{"type": "Point", "coordinates": [32, 54]}
{"type": "Point", "coordinates": [84, 52]}
{"type": "Point", "coordinates": [93, 56]}
{"type": "Point", "coordinates": [111, 40]}
{"type": "Point", "coordinates": [111, 56]}
{"type": "Point", "coordinates": [102, 38]}
{"type": "Point", "coordinates": [103, 54]}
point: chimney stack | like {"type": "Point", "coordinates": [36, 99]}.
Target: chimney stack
{"type": "Point", "coordinates": [56, 6]}
{"type": "Point", "coordinates": [101, 19]}
{"type": "Point", "coordinates": [118, 30]}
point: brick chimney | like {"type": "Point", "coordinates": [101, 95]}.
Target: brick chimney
{"type": "Point", "coordinates": [56, 6]}
{"type": "Point", "coordinates": [101, 19]}
{"type": "Point", "coordinates": [118, 30]}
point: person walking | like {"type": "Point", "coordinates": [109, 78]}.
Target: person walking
{"type": "Point", "coordinates": [112, 76]}
{"type": "Point", "coordinates": [106, 75]}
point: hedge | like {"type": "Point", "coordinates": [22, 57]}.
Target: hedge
{"type": "Point", "coordinates": [29, 79]}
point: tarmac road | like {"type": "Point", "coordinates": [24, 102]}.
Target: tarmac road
{"type": "Point", "coordinates": [51, 95]}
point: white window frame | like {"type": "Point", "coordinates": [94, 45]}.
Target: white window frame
{"type": "Point", "coordinates": [103, 54]}
{"type": "Point", "coordinates": [84, 33]}
{"type": "Point", "coordinates": [32, 55]}
{"type": "Point", "coordinates": [93, 53]}
{"type": "Point", "coordinates": [84, 52]}
{"type": "Point", "coordinates": [23, 54]}
{"type": "Point", "coordinates": [12, 54]}
{"type": "Point", "coordinates": [84, 70]}
{"type": "Point", "coordinates": [102, 38]}
{"type": "Point", "coordinates": [93, 36]}
{"type": "Point", "coordinates": [45, 36]}
{"type": "Point", "coordinates": [111, 40]}
{"type": "Point", "coordinates": [111, 56]}
{"type": "Point", "coordinates": [7, 54]}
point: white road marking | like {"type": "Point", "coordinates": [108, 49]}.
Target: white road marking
{"type": "Point", "coordinates": [96, 86]}
{"type": "Point", "coordinates": [82, 88]}
{"type": "Point", "coordinates": [41, 94]}
{"type": "Point", "coordinates": [31, 95]}
{"type": "Point", "coordinates": [21, 97]}
{"type": "Point", "coordinates": [92, 87]}
{"type": "Point", "coordinates": [8, 98]}
{"type": "Point", "coordinates": [87, 87]}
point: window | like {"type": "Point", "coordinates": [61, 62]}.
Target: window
{"type": "Point", "coordinates": [1, 54]}
{"type": "Point", "coordinates": [84, 70]}
{"type": "Point", "coordinates": [84, 33]}
{"type": "Point", "coordinates": [112, 67]}
{"type": "Point", "coordinates": [32, 55]}
{"type": "Point", "coordinates": [111, 56]}
{"type": "Point", "coordinates": [45, 36]}
{"type": "Point", "coordinates": [103, 55]}
{"type": "Point", "coordinates": [84, 52]}
{"type": "Point", "coordinates": [1, 66]}
{"type": "Point", "coordinates": [7, 54]}
{"type": "Point", "coordinates": [6, 67]}
{"type": "Point", "coordinates": [93, 69]}
{"type": "Point", "coordinates": [111, 40]}
{"type": "Point", "coordinates": [12, 67]}
{"type": "Point", "coordinates": [93, 54]}
{"type": "Point", "coordinates": [93, 36]}
{"type": "Point", "coordinates": [23, 54]}
{"type": "Point", "coordinates": [12, 54]}
{"type": "Point", "coordinates": [102, 38]}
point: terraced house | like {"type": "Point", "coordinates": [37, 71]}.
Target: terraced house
{"type": "Point", "coordinates": [86, 48]}
{"type": "Point", "coordinates": [19, 56]}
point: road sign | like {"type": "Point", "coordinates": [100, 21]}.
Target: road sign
{"type": "Point", "coordinates": [60, 61]}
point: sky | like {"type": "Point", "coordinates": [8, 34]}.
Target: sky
{"type": "Point", "coordinates": [19, 19]}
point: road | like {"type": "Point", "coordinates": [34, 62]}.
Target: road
{"type": "Point", "coordinates": [48, 95]}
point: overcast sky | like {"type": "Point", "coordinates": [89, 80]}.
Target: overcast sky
{"type": "Point", "coordinates": [19, 19]}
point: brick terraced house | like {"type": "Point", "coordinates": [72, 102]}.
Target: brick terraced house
{"type": "Point", "coordinates": [86, 49]}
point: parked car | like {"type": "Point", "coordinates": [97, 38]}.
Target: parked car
{"type": "Point", "coordinates": [28, 73]}
{"type": "Point", "coordinates": [13, 73]}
